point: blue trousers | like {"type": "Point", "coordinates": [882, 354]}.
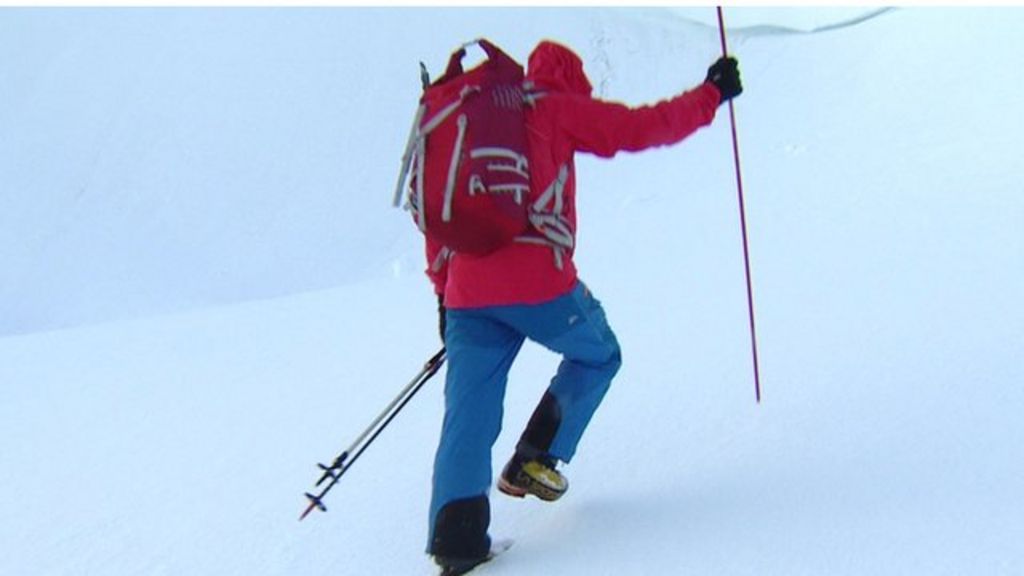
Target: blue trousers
{"type": "Point", "coordinates": [482, 343]}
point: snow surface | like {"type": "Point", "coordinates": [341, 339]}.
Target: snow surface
{"type": "Point", "coordinates": [199, 199]}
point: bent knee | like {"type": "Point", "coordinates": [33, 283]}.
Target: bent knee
{"type": "Point", "coordinates": [614, 361]}
{"type": "Point", "coordinates": [609, 360]}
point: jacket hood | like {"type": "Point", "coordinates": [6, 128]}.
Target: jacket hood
{"type": "Point", "coordinates": [556, 67]}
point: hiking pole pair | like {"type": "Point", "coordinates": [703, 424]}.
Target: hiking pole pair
{"type": "Point", "coordinates": [342, 463]}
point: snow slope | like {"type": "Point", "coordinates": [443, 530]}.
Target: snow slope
{"type": "Point", "coordinates": [202, 162]}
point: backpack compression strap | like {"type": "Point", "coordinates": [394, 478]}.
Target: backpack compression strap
{"type": "Point", "coordinates": [551, 226]}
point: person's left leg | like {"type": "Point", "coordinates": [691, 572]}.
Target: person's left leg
{"type": "Point", "coordinates": [575, 326]}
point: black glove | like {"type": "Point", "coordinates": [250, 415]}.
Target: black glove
{"type": "Point", "coordinates": [442, 313]}
{"type": "Point", "coordinates": [725, 75]}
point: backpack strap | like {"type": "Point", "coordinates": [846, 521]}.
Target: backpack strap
{"type": "Point", "coordinates": [550, 226]}
{"type": "Point", "coordinates": [546, 212]}
{"type": "Point", "coordinates": [449, 188]}
{"type": "Point", "coordinates": [442, 258]}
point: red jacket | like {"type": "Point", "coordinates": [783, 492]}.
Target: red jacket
{"type": "Point", "coordinates": [565, 120]}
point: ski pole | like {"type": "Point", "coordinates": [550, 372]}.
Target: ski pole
{"type": "Point", "coordinates": [342, 463]}
{"type": "Point", "coordinates": [743, 222]}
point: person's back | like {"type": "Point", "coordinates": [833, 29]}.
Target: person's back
{"type": "Point", "coordinates": [564, 119]}
{"type": "Point", "coordinates": [529, 290]}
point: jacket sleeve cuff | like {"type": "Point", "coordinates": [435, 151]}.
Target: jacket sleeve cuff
{"type": "Point", "coordinates": [712, 89]}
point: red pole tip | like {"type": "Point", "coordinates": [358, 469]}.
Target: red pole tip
{"type": "Point", "coordinates": [309, 509]}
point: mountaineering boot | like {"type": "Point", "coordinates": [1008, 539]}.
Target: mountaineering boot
{"type": "Point", "coordinates": [459, 566]}
{"type": "Point", "coordinates": [536, 476]}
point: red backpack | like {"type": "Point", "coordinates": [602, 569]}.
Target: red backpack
{"type": "Point", "coordinates": [467, 155]}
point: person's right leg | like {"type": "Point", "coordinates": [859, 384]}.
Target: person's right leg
{"type": "Point", "coordinates": [480, 352]}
